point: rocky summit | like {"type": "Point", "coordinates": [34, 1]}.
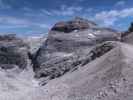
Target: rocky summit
{"type": "Point", "coordinates": [76, 24]}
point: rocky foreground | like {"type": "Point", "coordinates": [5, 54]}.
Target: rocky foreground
{"type": "Point", "coordinates": [78, 61]}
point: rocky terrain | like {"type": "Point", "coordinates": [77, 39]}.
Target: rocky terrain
{"type": "Point", "coordinates": [13, 52]}
{"type": "Point", "coordinates": [77, 61]}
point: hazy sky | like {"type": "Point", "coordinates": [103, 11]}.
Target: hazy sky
{"type": "Point", "coordinates": [28, 17]}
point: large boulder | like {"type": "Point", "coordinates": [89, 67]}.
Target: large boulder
{"type": "Point", "coordinates": [63, 52]}
{"type": "Point", "coordinates": [13, 52]}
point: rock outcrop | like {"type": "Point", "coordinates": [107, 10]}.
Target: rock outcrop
{"type": "Point", "coordinates": [69, 62]}
{"type": "Point", "coordinates": [13, 52]}
{"type": "Point", "coordinates": [65, 50]}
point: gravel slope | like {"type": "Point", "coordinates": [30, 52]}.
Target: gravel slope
{"type": "Point", "coordinates": [109, 77]}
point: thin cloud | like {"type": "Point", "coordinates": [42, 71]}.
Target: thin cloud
{"type": "Point", "coordinates": [27, 9]}
{"type": "Point", "coordinates": [89, 9]}
{"type": "Point", "coordinates": [4, 5]}
{"type": "Point", "coordinates": [41, 25]}
{"type": "Point", "coordinates": [81, 0]}
{"type": "Point", "coordinates": [109, 18]}
{"type": "Point", "coordinates": [67, 11]}
{"type": "Point", "coordinates": [62, 11]}
{"type": "Point", "coordinates": [13, 22]}
{"type": "Point", "coordinates": [46, 12]}
{"type": "Point", "coordinates": [120, 3]}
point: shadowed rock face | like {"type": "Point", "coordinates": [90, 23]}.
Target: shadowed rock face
{"type": "Point", "coordinates": [63, 52]}
{"type": "Point", "coordinates": [13, 51]}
